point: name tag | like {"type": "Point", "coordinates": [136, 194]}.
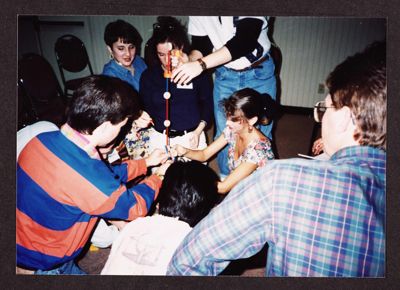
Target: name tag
{"type": "Point", "coordinates": [189, 86]}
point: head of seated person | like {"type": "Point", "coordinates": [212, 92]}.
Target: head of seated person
{"type": "Point", "coordinates": [101, 106]}
{"type": "Point", "coordinates": [189, 191]}
{"type": "Point", "coordinates": [357, 102]}
{"type": "Point", "coordinates": [123, 42]}
{"type": "Point", "coordinates": [248, 107]}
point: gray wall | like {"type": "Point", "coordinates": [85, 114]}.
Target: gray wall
{"type": "Point", "coordinates": [310, 46]}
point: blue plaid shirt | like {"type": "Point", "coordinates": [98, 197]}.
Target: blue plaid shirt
{"type": "Point", "coordinates": [319, 218]}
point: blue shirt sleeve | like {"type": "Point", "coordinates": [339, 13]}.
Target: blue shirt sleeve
{"type": "Point", "coordinates": [108, 71]}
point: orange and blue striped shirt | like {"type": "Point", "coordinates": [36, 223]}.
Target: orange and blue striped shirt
{"type": "Point", "coordinates": [62, 189]}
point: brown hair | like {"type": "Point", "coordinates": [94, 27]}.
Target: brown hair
{"type": "Point", "coordinates": [360, 84]}
{"type": "Point", "coordinates": [99, 99]}
{"type": "Point", "coordinates": [247, 101]}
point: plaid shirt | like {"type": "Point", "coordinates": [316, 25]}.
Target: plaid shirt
{"type": "Point", "coordinates": [319, 218]}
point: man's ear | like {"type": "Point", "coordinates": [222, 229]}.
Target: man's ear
{"type": "Point", "coordinates": [109, 49]}
{"type": "Point", "coordinates": [344, 119]}
{"type": "Point", "coordinates": [101, 129]}
{"type": "Point", "coordinates": [253, 120]}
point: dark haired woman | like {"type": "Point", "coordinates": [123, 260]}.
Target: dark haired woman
{"type": "Point", "coordinates": [123, 41]}
{"type": "Point", "coordinates": [248, 148]}
{"type": "Point", "coordinates": [146, 245]}
{"type": "Point", "coordinates": [190, 106]}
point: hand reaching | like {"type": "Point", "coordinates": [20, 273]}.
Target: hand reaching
{"type": "Point", "coordinates": [318, 147]}
{"type": "Point", "coordinates": [193, 140]}
{"type": "Point", "coordinates": [186, 72]}
{"type": "Point", "coordinates": [178, 150]}
{"type": "Point", "coordinates": [163, 168]}
{"type": "Point", "coordinates": [143, 121]}
{"type": "Point", "coordinates": [178, 57]}
{"type": "Point", "coordinates": [156, 157]}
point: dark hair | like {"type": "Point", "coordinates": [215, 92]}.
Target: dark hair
{"type": "Point", "coordinates": [122, 30]}
{"type": "Point", "coordinates": [360, 84]}
{"type": "Point", "coordinates": [166, 29]}
{"type": "Point", "coordinates": [189, 191]}
{"type": "Point", "coordinates": [99, 99]}
{"type": "Point", "coordinates": [250, 103]}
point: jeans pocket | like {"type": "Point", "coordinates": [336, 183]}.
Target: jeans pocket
{"type": "Point", "coordinates": [266, 71]}
{"type": "Point", "coordinates": [220, 73]}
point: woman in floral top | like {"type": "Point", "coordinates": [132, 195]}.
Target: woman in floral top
{"type": "Point", "coordinates": [248, 148]}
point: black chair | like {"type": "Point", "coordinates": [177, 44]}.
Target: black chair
{"type": "Point", "coordinates": [71, 56]}
{"type": "Point", "coordinates": [39, 90]}
{"type": "Point", "coordinates": [26, 113]}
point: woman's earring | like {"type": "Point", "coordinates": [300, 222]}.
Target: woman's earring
{"type": "Point", "coordinates": [111, 56]}
{"type": "Point", "coordinates": [250, 128]}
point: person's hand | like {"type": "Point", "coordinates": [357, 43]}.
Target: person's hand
{"type": "Point", "coordinates": [156, 157]}
{"type": "Point", "coordinates": [194, 138]}
{"type": "Point", "coordinates": [163, 168]}
{"type": "Point", "coordinates": [318, 147]}
{"type": "Point", "coordinates": [178, 151]}
{"type": "Point", "coordinates": [186, 72]}
{"type": "Point", "coordinates": [184, 58]}
{"type": "Point", "coordinates": [143, 121]}
{"type": "Point", "coordinates": [178, 57]}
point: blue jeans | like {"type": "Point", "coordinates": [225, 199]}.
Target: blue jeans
{"type": "Point", "coordinates": [226, 83]}
{"type": "Point", "coordinates": [69, 268]}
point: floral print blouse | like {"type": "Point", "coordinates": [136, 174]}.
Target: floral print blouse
{"type": "Point", "coordinates": [137, 143]}
{"type": "Point", "coordinates": [257, 151]}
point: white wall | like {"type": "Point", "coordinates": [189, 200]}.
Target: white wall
{"type": "Point", "coordinates": [311, 47]}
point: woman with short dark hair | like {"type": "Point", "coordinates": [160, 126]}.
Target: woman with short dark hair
{"type": "Point", "coordinates": [123, 42]}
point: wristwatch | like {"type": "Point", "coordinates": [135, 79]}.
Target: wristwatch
{"type": "Point", "coordinates": [202, 63]}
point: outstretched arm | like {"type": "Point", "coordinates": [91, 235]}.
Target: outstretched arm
{"type": "Point", "coordinates": [244, 42]}
{"type": "Point", "coordinates": [201, 155]}
{"type": "Point", "coordinates": [188, 71]}
{"type": "Point", "coordinates": [238, 174]}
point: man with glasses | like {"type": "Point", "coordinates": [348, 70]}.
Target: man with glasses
{"type": "Point", "coordinates": [318, 217]}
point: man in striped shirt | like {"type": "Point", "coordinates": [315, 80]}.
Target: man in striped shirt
{"type": "Point", "coordinates": [319, 218]}
{"type": "Point", "coordinates": [63, 185]}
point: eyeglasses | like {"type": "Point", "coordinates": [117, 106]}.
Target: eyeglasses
{"type": "Point", "coordinates": [319, 111]}
{"type": "Point", "coordinates": [157, 26]}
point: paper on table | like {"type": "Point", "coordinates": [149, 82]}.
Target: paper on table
{"type": "Point", "coordinates": [322, 156]}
